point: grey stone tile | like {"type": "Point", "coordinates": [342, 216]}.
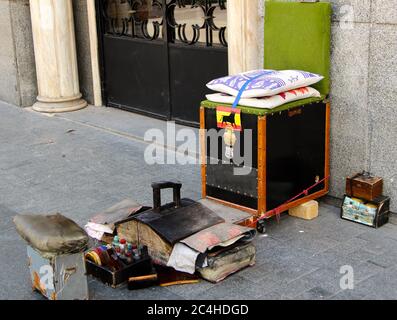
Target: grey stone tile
{"type": "Point", "coordinates": [378, 242]}
{"type": "Point", "coordinates": [325, 281]}
{"type": "Point", "coordinates": [262, 270]}
{"type": "Point", "coordinates": [334, 257]}
{"type": "Point", "coordinates": [349, 114]}
{"type": "Point", "coordinates": [389, 230]}
{"type": "Point", "coordinates": [386, 284]}
{"type": "Point", "coordinates": [393, 219]}
{"type": "Point", "coordinates": [236, 287]}
{"type": "Point", "coordinates": [366, 270]}
{"type": "Point", "coordinates": [283, 275]}
{"type": "Point", "coordinates": [297, 259]}
{"type": "Point", "coordinates": [316, 293]}
{"type": "Point", "coordinates": [362, 255]}
{"type": "Point", "coordinates": [348, 295]}
{"type": "Point", "coordinates": [192, 291]}
{"type": "Point", "coordinates": [263, 242]}
{"type": "Point", "coordinates": [385, 260]}
{"type": "Point", "coordinates": [283, 255]}
{"type": "Point", "coordinates": [283, 231]}
{"type": "Point", "coordinates": [311, 243]}
{"type": "Point", "coordinates": [99, 291]}
{"type": "Point", "coordinates": [382, 93]}
{"type": "Point", "coordinates": [384, 11]}
{"type": "Point", "coordinates": [272, 296]}
{"type": "Point", "coordinates": [15, 282]}
{"type": "Point", "coordinates": [336, 229]}
{"type": "Point", "coordinates": [293, 289]}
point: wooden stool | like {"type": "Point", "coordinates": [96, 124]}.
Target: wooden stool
{"type": "Point", "coordinates": [55, 255]}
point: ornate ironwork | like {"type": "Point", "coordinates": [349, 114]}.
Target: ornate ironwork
{"type": "Point", "coordinates": [208, 8]}
{"type": "Point", "coordinates": [145, 19]}
{"type": "Point", "coordinates": [131, 18]}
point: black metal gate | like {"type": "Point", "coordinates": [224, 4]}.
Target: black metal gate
{"type": "Point", "coordinates": [157, 55]}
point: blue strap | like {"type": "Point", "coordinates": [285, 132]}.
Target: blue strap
{"type": "Point", "coordinates": [240, 93]}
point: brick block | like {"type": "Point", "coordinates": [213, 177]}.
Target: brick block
{"type": "Point", "coordinates": [307, 211]}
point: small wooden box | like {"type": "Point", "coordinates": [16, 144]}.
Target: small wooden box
{"type": "Point", "coordinates": [364, 187]}
{"type": "Point", "coordinates": [118, 278]}
{"type": "Point", "coordinates": [374, 213]}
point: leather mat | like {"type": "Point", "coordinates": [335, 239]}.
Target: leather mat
{"type": "Point", "coordinates": [175, 224]}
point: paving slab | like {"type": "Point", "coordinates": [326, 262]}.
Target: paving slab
{"type": "Point", "coordinates": [84, 162]}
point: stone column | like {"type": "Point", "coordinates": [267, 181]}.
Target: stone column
{"type": "Point", "coordinates": [244, 25]}
{"type": "Point", "coordinates": [55, 55]}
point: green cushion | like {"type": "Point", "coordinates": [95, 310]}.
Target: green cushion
{"type": "Point", "coordinates": [297, 36]}
{"type": "Point", "coordinates": [263, 112]}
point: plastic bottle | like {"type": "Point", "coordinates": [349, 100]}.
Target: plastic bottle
{"type": "Point", "coordinates": [128, 253]}
{"type": "Point", "coordinates": [122, 246]}
{"type": "Point", "coordinates": [116, 241]}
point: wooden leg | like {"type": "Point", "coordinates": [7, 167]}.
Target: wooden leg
{"type": "Point", "coordinates": [327, 142]}
{"type": "Point", "coordinates": [203, 150]}
{"type": "Point", "coordinates": [261, 166]}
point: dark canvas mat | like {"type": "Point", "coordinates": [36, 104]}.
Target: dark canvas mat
{"type": "Point", "coordinates": [175, 224]}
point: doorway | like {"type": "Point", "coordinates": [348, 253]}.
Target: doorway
{"type": "Point", "coordinates": [157, 55]}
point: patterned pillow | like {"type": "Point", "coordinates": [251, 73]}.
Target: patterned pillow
{"type": "Point", "coordinates": [266, 82]}
{"type": "Point", "coordinates": [267, 102]}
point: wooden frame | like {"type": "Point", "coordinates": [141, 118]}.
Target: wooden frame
{"type": "Point", "coordinates": [262, 130]}
{"type": "Point", "coordinates": [262, 158]}
{"type": "Point", "coordinates": [203, 150]}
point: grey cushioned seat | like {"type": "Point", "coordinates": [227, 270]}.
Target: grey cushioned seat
{"type": "Point", "coordinates": [54, 234]}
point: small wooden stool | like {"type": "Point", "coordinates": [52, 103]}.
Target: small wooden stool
{"type": "Point", "coordinates": [55, 255]}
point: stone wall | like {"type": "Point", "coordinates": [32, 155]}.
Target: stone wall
{"type": "Point", "coordinates": [83, 49]}
{"type": "Point", "coordinates": [17, 67]}
{"type": "Point", "coordinates": [363, 92]}
{"type": "Point", "coordinates": [18, 84]}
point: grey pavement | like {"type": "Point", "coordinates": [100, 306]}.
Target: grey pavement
{"type": "Point", "coordinates": [83, 162]}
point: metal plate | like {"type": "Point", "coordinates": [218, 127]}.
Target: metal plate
{"type": "Point", "coordinates": [222, 176]}
{"type": "Point", "coordinates": [59, 278]}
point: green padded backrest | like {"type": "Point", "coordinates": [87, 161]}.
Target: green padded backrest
{"type": "Point", "coordinates": [297, 37]}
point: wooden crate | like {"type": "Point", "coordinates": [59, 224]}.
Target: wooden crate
{"type": "Point", "coordinates": [138, 233]}
{"type": "Point", "coordinates": [291, 154]}
{"type": "Point", "coordinates": [364, 187]}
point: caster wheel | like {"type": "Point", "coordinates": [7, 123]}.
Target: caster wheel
{"type": "Point", "coordinates": [261, 227]}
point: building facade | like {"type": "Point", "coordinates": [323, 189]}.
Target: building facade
{"type": "Point", "coordinates": [363, 68]}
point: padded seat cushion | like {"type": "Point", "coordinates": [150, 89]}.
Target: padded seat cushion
{"type": "Point", "coordinates": [53, 234]}
{"type": "Point", "coordinates": [298, 37]}
{"type": "Point", "coordinates": [260, 111]}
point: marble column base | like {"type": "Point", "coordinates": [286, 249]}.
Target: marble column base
{"type": "Point", "coordinates": [59, 107]}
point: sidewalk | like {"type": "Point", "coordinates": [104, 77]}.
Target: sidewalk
{"type": "Point", "coordinates": [83, 162]}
